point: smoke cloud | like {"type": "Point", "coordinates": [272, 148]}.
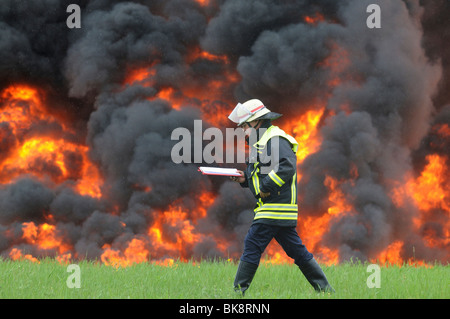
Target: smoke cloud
{"type": "Point", "coordinates": [136, 70]}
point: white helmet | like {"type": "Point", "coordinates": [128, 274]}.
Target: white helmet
{"type": "Point", "coordinates": [250, 111]}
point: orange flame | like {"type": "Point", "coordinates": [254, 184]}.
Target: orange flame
{"type": "Point", "coordinates": [44, 236]}
{"type": "Point", "coordinates": [305, 132]}
{"type": "Point", "coordinates": [392, 254]}
{"type": "Point", "coordinates": [43, 156]}
{"type": "Point", "coordinates": [315, 19]}
{"type": "Point", "coordinates": [136, 252]}
{"type": "Point", "coordinates": [172, 233]}
{"type": "Point", "coordinates": [429, 189]}
{"type": "Point", "coordinates": [23, 105]}
{"type": "Point", "coordinates": [198, 53]}
{"type": "Point", "coordinates": [431, 196]}
{"type": "Point", "coordinates": [203, 3]}
{"type": "Point", "coordinates": [142, 75]}
{"type": "Point", "coordinates": [313, 228]}
{"type": "Point", "coordinates": [181, 241]}
{"type": "Point", "coordinates": [16, 254]}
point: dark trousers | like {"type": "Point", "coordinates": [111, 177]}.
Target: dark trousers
{"type": "Point", "coordinates": [259, 236]}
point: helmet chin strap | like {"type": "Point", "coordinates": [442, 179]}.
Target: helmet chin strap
{"type": "Point", "coordinates": [247, 136]}
{"type": "Point", "coordinates": [256, 125]}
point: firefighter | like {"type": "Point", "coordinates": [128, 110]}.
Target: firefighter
{"type": "Point", "coordinates": [271, 176]}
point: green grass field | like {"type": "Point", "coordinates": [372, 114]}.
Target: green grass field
{"type": "Point", "coordinates": [214, 280]}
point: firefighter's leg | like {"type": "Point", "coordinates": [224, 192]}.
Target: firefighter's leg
{"type": "Point", "coordinates": [244, 276]}
{"type": "Point", "coordinates": [315, 275]}
{"type": "Point", "coordinates": [256, 241]}
{"type": "Point", "coordinates": [288, 238]}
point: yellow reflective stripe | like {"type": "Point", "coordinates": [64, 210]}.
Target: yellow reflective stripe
{"type": "Point", "coordinates": [255, 180]}
{"type": "Point", "coordinates": [280, 204]}
{"type": "Point", "coordinates": [255, 167]}
{"type": "Point", "coordinates": [273, 176]}
{"type": "Point", "coordinates": [275, 180]}
{"type": "Point", "coordinates": [273, 215]}
{"type": "Point", "coordinates": [277, 208]}
{"type": "Point", "coordinates": [277, 211]}
{"type": "Point", "coordinates": [293, 189]}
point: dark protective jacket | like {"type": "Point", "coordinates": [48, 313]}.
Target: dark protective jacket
{"type": "Point", "coordinates": [271, 168]}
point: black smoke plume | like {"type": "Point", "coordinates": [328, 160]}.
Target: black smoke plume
{"type": "Point", "coordinates": [384, 91]}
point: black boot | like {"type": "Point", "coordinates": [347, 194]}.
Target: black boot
{"type": "Point", "coordinates": [315, 276]}
{"type": "Point", "coordinates": [244, 276]}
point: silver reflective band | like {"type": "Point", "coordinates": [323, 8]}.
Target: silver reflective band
{"type": "Point", "coordinates": [277, 207]}
{"type": "Point", "coordinates": [276, 215]}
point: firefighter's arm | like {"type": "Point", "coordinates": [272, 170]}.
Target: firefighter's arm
{"type": "Point", "coordinates": [284, 166]}
{"type": "Point", "coordinates": [242, 180]}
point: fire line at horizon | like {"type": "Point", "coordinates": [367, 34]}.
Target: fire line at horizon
{"type": "Point", "coordinates": [85, 168]}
